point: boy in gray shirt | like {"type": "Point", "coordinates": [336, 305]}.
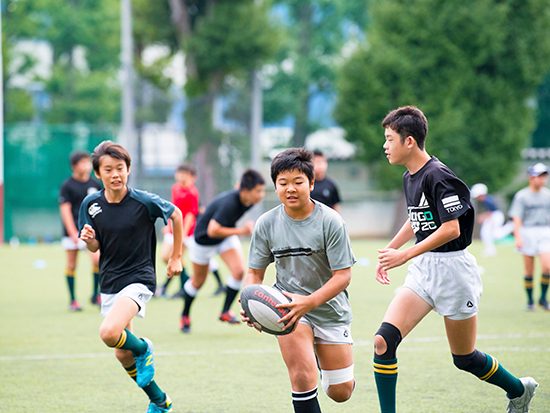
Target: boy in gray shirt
{"type": "Point", "coordinates": [530, 211]}
{"type": "Point", "coordinates": [310, 246]}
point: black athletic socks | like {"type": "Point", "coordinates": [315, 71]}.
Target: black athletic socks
{"type": "Point", "coordinates": [230, 295]}
{"type": "Point", "coordinates": [306, 402]}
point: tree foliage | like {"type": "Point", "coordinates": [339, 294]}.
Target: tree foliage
{"type": "Point", "coordinates": [471, 66]}
{"type": "Point", "coordinates": [220, 39]}
{"type": "Point", "coordinates": [81, 88]}
{"type": "Point", "coordinates": [316, 31]}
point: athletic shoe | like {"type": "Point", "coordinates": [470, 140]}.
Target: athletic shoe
{"type": "Point", "coordinates": [96, 300]}
{"type": "Point", "coordinates": [530, 307]}
{"type": "Point", "coordinates": [75, 306]}
{"type": "Point", "coordinates": [521, 404]}
{"type": "Point", "coordinates": [145, 365]}
{"type": "Point", "coordinates": [220, 290]}
{"type": "Point", "coordinates": [179, 294]}
{"type": "Point", "coordinates": [185, 324]}
{"type": "Point", "coordinates": [229, 317]}
{"type": "Point", "coordinates": [544, 305]}
{"type": "Point", "coordinates": [165, 406]}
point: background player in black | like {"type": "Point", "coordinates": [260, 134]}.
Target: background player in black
{"type": "Point", "coordinates": [216, 233]}
{"type": "Point", "coordinates": [120, 222]}
{"type": "Point", "coordinates": [443, 275]}
{"type": "Point", "coordinates": [325, 189]}
{"type": "Point", "coordinates": [73, 190]}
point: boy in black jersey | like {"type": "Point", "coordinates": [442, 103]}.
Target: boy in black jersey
{"type": "Point", "coordinates": [73, 190]}
{"type": "Point", "coordinates": [325, 189]}
{"type": "Point", "coordinates": [120, 221]}
{"type": "Point", "coordinates": [216, 233]}
{"type": "Point", "coordinates": [443, 275]}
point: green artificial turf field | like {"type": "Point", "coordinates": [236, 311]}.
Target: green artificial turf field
{"type": "Point", "coordinates": [52, 360]}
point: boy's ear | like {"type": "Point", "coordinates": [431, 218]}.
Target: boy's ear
{"type": "Point", "coordinates": [97, 175]}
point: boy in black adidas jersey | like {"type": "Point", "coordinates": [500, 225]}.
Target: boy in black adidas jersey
{"type": "Point", "coordinates": [120, 221]}
{"type": "Point", "coordinates": [73, 190]}
{"type": "Point", "coordinates": [216, 233]}
{"type": "Point", "coordinates": [443, 275]}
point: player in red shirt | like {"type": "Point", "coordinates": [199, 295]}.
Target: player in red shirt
{"type": "Point", "coordinates": [186, 197]}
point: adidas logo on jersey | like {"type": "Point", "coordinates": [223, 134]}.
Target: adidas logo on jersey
{"type": "Point", "coordinates": [94, 209]}
{"type": "Point", "coordinates": [452, 203]}
{"type": "Point", "coordinates": [423, 201]}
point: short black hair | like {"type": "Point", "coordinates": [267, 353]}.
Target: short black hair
{"type": "Point", "coordinates": [187, 167]}
{"type": "Point", "coordinates": [250, 179]}
{"type": "Point", "coordinates": [114, 150]}
{"type": "Point", "coordinates": [77, 156]}
{"type": "Point", "coordinates": [293, 159]}
{"type": "Point", "coordinates": [408, 121]}
{"type": "Point", "coordinates": [317, 152]}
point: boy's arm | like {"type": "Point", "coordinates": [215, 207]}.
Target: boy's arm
{"type": "Point", "coordinates": [68, 220]}
{"type": "Point", "coordinates": [174, 266]}
{"type": "Point", "coordinates": [254, 276]}
{"type": "Point", "coordinates": [303, 304]}
{"type": "Point", "coordinates": [188, 221]}
{"type": "Point", "coordinates": [390, 258]}
{"type": "Point", "coordinates": [216, 230]}
{"type": "Point", "coordinates": [404, 235]}
{"type": "Point", "coordinates": [517, 232]}
{"type": "Point", "coordinates": [88, 236]}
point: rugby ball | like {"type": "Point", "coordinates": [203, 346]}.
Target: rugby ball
{"type": "Point", "coordinates": [258, 302]}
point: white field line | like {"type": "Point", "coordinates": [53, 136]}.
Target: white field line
{"type": "Point", "coordinates": [502, 337]}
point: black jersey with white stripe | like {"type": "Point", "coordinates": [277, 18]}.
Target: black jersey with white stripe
{"type": "Point", "coordinates": [435, 195]}
{"type": "Point", "coordinates": [125, 231]}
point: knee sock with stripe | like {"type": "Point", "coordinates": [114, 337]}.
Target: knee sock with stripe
{"type": "Point", "coordinates": [306, 401]}
{"type": "Point", "coordinates": [156, 395]}
{"type": "Point", "coordinates": [488, 369]}
{"type": "Point", "coordinates": [128, 341]}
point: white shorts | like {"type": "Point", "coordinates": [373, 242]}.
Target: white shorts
{"type": "Point", "coordinates": [448, 281]}
{"type": "Point", "coordinates": [137, 292]}
{"type": "Point", "coordinates": [536, 240]}
{"type": "Point", "coordinates": [201, 254]}
{"type": "Point", "coordinates": [68, 244]}
{"type": "Point", "coordinates": [340, 334]}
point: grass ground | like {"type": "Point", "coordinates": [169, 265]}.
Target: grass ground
{"type": "Point", "coordinates": [53, 361]}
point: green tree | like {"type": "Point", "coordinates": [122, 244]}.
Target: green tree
{"type": "Point", "coordinates": [470, 66]}
{"type": "Point", "coordinates": [316, 31]}
{"type": "Point", "coordinates": [541, 135]}
{"type": "Point", "coordinates": [81, 88]}
{"type": "Point", "coordinates": [220, 39]}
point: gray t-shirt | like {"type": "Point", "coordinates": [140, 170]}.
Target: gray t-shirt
{"type": "Point", "coordinates": [532, 207]}
{"type": "Point", "coordinates": [305, 253]}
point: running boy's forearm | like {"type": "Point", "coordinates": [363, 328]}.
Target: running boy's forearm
{"type": "Point", "coordinates": [254, 276]}
{"type": "Point", "coordinates": [67, 219]}
{"type": "Point", "coordinates": [338, 283]}
{"type": "Point", "coordinates": [177, 230]}
{"type": "Point", "coordinates": [447, 232]}
{"type": "Point", "coordinates": [215, 230]}
{"type": "Point", "coordinates": [188, 221]}
{"type": "Point", "coordinates": [404, 235]}
{"type": "Point", "coordinates": [517, 226]}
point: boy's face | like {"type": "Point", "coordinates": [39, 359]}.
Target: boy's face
{"type": "Point", "coordinates": [83, 167]}
{"type": "Point", "coordinates": [184, 178]}
{"type": "Point", "coordinates": [320, 167]}
{"type": "Point", "coordinates": [397, 152]}
{"type": "Point", "coordinates": [113, 173]}
{"type": "Point", "coordinates": [253, 196]}
{"type": "Point", "coordinates": [293, 189]}
{"type": "Point", "coordinates": [538, 181]}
